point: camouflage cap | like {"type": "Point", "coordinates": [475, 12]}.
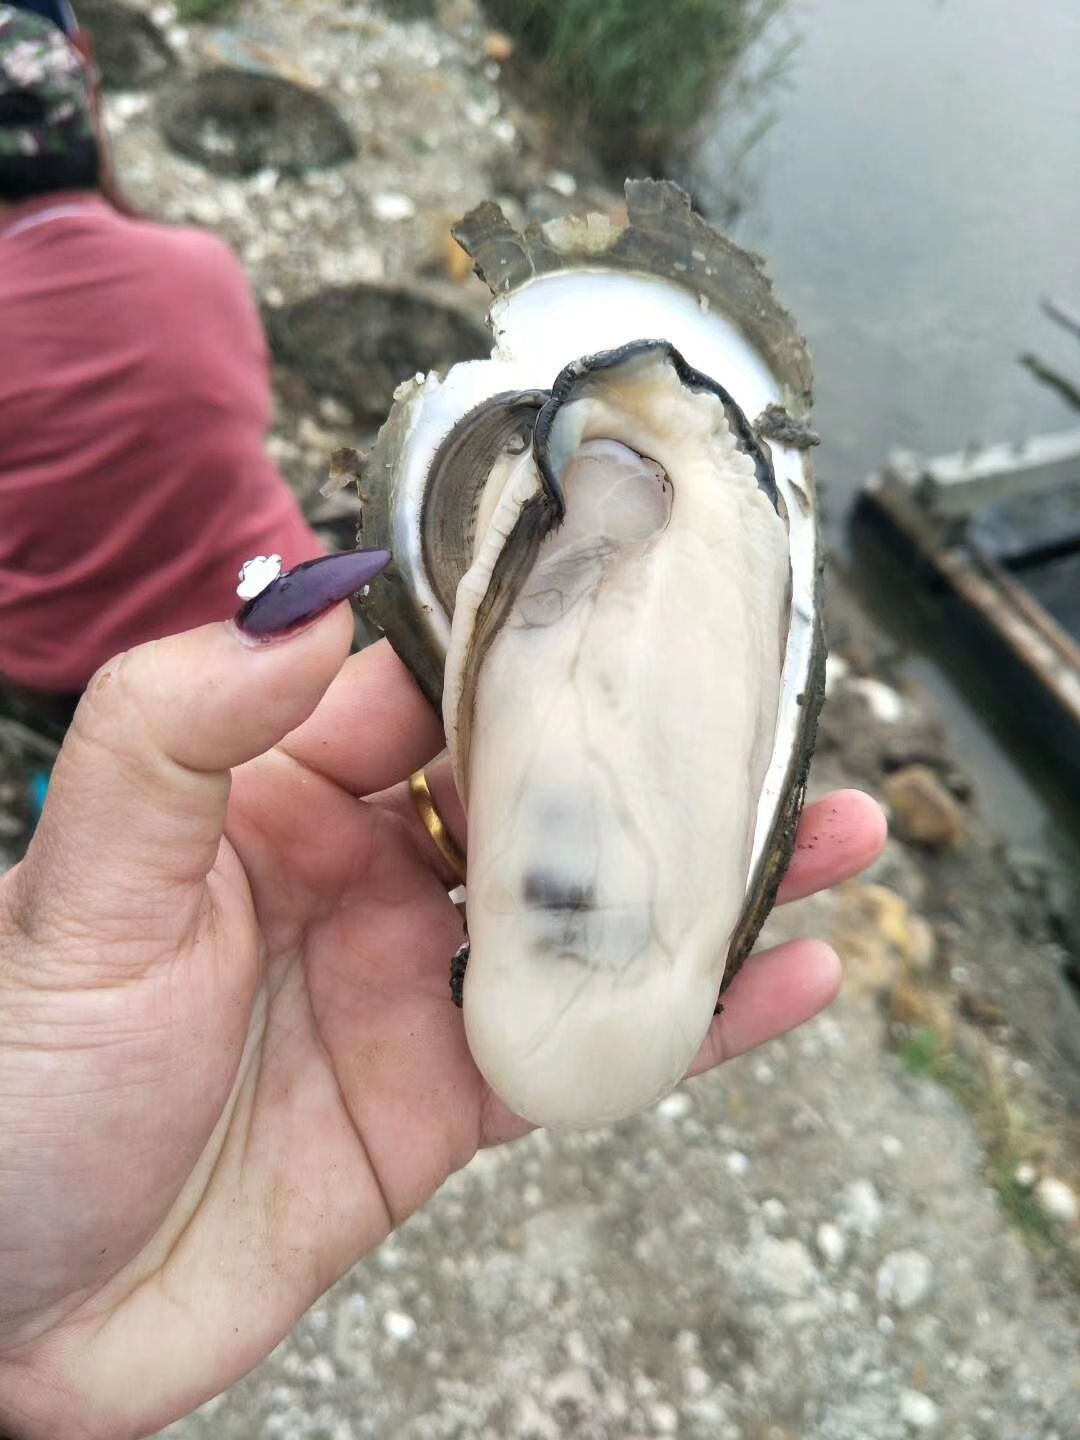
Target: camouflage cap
{"type": "Point", "coordinates": [45, 87]}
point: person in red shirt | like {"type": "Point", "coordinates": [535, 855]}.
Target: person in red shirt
{"type": "Point", "coordinates": [134, 398]}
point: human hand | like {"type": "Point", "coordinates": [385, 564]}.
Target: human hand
{"type": "Point", "coordinates": [229, 1065]}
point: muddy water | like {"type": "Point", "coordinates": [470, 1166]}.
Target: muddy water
{"type": "Point", "coordinates": [917, 190]}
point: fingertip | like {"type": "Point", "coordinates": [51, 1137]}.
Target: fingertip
{"type": "Point", "coordinates": [865, 814]}
{"type": "Point", "coordinates": [838, 837]}
{"type": "Point", "coordinates": [775, 992]}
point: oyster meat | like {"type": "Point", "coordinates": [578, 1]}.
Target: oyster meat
{"type": "Point", "coordinates": [605, 574]}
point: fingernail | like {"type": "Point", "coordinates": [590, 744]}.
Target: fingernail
{"type": "Point", "coordinates": [301, 594]}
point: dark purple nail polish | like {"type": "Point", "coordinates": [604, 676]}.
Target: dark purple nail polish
{"type": "Point", "coordinates": [299, 595]}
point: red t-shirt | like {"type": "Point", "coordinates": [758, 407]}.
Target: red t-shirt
{"type": "Point", "coordinates": [134, 401]}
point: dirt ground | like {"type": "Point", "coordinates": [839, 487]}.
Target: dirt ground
{"type": "Point", "coordinates": [859, 1233]}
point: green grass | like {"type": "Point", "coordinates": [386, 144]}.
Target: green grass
{"type": "Point", "coordinates": [1004, 1131]}
{"type": "Point", "coordinates": [640, 73]}
{"type": "Point", "coordinates": [189, 10]}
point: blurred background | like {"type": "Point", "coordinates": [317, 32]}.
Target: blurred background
{"type": "Point", "coordinates": [870, 1230]}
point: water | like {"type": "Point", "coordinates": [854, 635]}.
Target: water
{"type": "Point", "coordinates": [917, 192]}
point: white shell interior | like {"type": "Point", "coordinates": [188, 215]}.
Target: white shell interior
{"type": "Point", "coordinates": [556, 319]}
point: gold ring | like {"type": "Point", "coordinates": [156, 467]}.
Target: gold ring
{"type": "Point", "coordinates": [435, 825]}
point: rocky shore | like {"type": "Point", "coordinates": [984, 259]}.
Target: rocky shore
{"type": "Point", "coordinates": [868, 1230]}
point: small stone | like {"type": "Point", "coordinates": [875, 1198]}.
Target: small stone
{"type": "Point", "coordinates": [391, 205]}
{"type": "Point", "coordinates": [1056, 1200]}
{"type": "Point", "coordinates": [917, 1410]}
{"type": "Point", "coordinates": [571, 1388]}
{"type": "Point", "coordinates": [696, 1381]}
{"type": "Point", "coordinates": [577, 1351]}
{"type": "Point", "coordinates": [885, 703]}
{"type": "Point", "coordinates": [737, 1163]}
{"type": "Point", "coordinates": [904, 1279]}
{"type": "Point", "coordinates": [785, 1267]}
{"type": "Point", "coordinates": [836, 669]}
{"type": "Point", "coordinates": [971, 1370]}
{"type": "Point", "coordinates": [398, 1325]}
{"type": "Point", "coordinates": [923, 810]}
{"type": "Point", "coordinates": [862, 1212]}
{"type": "Point", "coordinates": [1025, 1176]}
{"type": "Point", "coordinates": [322, 1369]}
{"type": "Point", "coordinates": [562, 182]}
{"type": "Point", "coordinates": [664, 1418]}
{"type": "Point", "coordinates": [456, 263]}
{"type": "Point", "coordinates": [832, 1247]}
{"type": "Point", "coordinates": [498, 46]}
{"type": "Point", "coordinates": [674, 1107]}
{"type": "Point", "coordinates": [891, 1147]}
{"type": "Point", "coordinates": [774, 1211]}
{"type": "Point", "coordinates": [982, 1010]}
{"type": "Point", "coordinates": [533, 1422]}
{"type": "Point", "coordinates": [334, 412]}
{"type": "Point", "coordinates": [764, 1073]}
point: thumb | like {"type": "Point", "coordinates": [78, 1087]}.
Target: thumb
{"type": "Point", "coordinates": [136, 807]}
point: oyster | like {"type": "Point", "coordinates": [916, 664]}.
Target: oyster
{"type": "Point", "coordinates": [605, 573]}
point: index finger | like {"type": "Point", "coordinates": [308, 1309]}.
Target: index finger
{"type": "Point", "coordinates": [372, 728]}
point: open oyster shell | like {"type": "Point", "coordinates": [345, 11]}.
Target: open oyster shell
{"type": "Point", "coordinates": [605, 572]}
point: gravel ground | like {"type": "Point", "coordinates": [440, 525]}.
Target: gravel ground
{"type": "Point", "coordinates": [802, 1245]}
{"type": "Point", "coordinates": [818, 1242]}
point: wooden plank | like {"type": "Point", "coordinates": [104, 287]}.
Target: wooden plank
{"type": "Point", "coordinates": [954, 486]}
{"type": "Point", "coordinates": [1040, 648]}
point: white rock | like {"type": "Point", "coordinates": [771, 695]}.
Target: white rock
{"type": "Point", "coordinates": [674, 1107]}
{"type": "Point", "coordinates": [774, 1211]}
{"type": "Point", "coordinates": [832, 1247]}
{"type": "Point", "coordinates": [535, 1422]}
{"type": "Point", "coordinates": [883, 700]}
{"type": "Point", "coordinates": [571, 1387]}
{"type": "Point", "coordinates": [334, 412]}
{"type": "Point", "coordinates": [696, 1380]}
{"type": "Point", "coordinates": [1056, 1200]}
{"type": "Point", "coordinates": [971, 1370]}
{"type": "Point", "coordinates": [322, 1369]}
{"type": "Point", "coordinates": [577, 1351]}
{"type": "Point", "coordinates": [917, 1410]}
{"type": "Point", "coordinates": [785, 1266]}
{"type": "Point", "coordinates": [123, 108]}
{"type": "Point", "coordinates": [562, 182]}
{"type": "Point", "coordinates": [764, 1074]}
{"type": "Point", "coordinates": [836, 669]}
{"type": "Point", "coordinates": [1025, 1176]}
{"type": "Point", "coordinates": [891, 1147]}
{"type": "Point", "coordinates": [391, 205]}
{"type": "Point", "coordinates": [904, 1279]}
{"type": "Point", "coordinates": [738, 1163]}
{"type": "Point", "coordinates": [664, 1418]}
{"type": "Point", "coordinates": [398, 1325]}
{"type": "Point", "coordinates": [861, 1212]}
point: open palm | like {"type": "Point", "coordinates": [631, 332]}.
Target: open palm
{"type": "Point", "coordinates": [229, 1065]}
